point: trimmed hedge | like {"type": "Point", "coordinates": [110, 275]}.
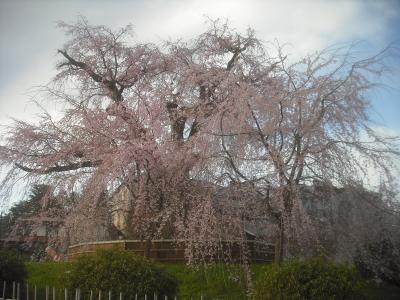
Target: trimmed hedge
{"type": "Point", "coordinates": [310, 279]}
{"type": "Point", "coordinates": [120, 271]}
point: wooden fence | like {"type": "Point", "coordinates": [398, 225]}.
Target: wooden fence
{"type": "Point", "coordinates": [173, 251]}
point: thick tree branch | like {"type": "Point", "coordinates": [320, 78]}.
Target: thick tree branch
{"type": "Point", "coordinates": [110, 85]}
{"type": "Point", "coordinates": [60, 168]}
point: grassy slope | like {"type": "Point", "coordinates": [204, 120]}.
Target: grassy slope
{"type": "Point", "coordinates": [218, 281]}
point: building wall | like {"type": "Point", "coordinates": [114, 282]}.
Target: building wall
{"type": "Point", "coordinates": [121, 206]}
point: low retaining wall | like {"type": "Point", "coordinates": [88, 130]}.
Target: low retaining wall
{"type": "Point", "coordinates": [171, 250]}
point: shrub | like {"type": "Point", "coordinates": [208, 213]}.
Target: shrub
{"type": "Point", "coordinates": [121, 271]}
{"type": "Point", "coordinates": [314, 278]}
{"type": "Point", "coordinates": [381, 260]}
{"type": "Point", "coordinates": [12, 267]}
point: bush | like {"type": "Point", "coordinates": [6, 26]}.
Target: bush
{"type": "Point", "coordinates": [12, 267]}
{"type": "Point", "coordinates": [120, 271]}
{"type": "Point", "coordinates": [380, 260]}
{"type": "Point", "coordinates": [314, 278]}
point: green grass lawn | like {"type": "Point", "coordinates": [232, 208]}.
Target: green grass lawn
{"type": "Point", "coordinates": [51, 274]}
{"type": "Point", "coordinates": [47, 273]}
{"type": "Point", "coordinates": [217, 281]}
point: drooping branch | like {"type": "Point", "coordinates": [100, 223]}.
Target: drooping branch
{"type": "Point", "coordinates": [235, 115]}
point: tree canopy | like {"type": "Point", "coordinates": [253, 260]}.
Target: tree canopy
{"type": "Point", "coordinates": [179, 122]}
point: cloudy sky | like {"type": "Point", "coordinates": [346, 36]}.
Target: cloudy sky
{"type": "Point", "coordinates": [29, 37]}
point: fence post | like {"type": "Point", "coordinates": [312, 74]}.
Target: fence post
{"type": "Point", "coordinates": [18, 290]}
{"type": "Point", "coordinates": [91, 295]}
{"type": "Point", "coordinates": [27, 291]}
{"type": "Point", "coordinates": [4, 289]}
{"type": "Point", "coordinates": [99, 294]}
{"type": "Point", "coordinates": [13, 290]}
{"type": "Point", "coordinates": [109, 295]}
{"type": "Point", "coordinates": [120, 296]}
{"type": "Point", "coordinates": [65, 294]}
{"type": "Point", "coordinates": [47, 292]}
{"type": "Point", "coordinates": [136, 297]}
{"type": "Point", "coordinates": [166, 298]}
{"type": "Point", "coordinates": [155, 296]}
{"type": "Point", "coordinates": [35, 294]}
{"type": "Point", "coordinates": [54, 293]}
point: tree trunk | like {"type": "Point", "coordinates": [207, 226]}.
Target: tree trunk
{"type": "Point", "coordinates": [280, 241]}
{"type": "Point", "coordinates": [148, 248]}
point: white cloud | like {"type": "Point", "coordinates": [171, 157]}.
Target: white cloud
{"type": "Point", "coordinates": [16, 97]}
{"type": "Point", "coordinates": [29, 37]}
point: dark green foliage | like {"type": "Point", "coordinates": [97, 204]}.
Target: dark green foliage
{"type": "Point", "coordinates": [12, 267]}
{"type": "Point", "coordinates": [25, 208]}
{"type": "Point", "coordinates": [212, 282]}
{"type": "Point", "coordinates": [380, 259]}
{"type": "Point", "coordinates": [382, 291]}
{"type": "Point", "coordinates": [121, 271]}
{"type": "Point", "coordinates": [310, 279]}
{"type": "Point", "coordinates": [30, 206]}
{"type": "Point", "coordinates": [218, 281]}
